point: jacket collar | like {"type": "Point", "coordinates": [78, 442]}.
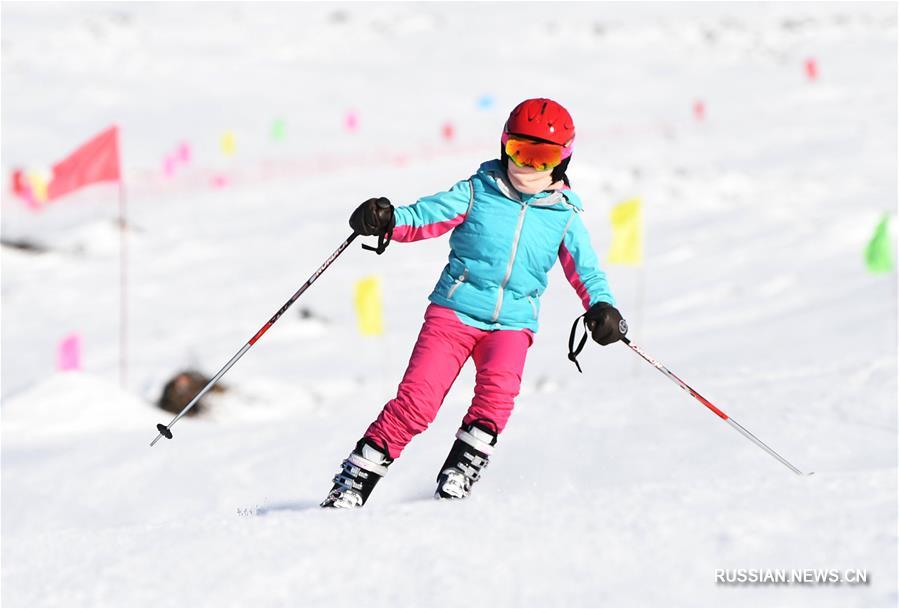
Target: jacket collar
{"type": "Point", "coordinates": [494, 175]}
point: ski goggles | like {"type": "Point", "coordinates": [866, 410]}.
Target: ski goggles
{"type": "Point", "coordinates": [542, 156]}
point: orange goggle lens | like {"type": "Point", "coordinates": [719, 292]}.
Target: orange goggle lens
{"type": "Point", "coordinates": [539, 155]}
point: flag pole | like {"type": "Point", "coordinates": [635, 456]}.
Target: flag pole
{"type": "Point", "coordinates": [123, 284]}
{"type": "Point", "coordinates": [641, 299]}
{"type": "Point", "coordinates": [641, 276]}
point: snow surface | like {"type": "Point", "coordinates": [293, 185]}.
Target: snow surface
{"type": "Point", "coordinates": [608, 488]}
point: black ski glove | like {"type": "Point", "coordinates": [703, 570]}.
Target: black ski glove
{"type": "Point", "coordinates": [605, 325]}
{"type": "Point", "coordinates": [374, 217]}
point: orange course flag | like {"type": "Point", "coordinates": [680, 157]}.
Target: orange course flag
{"type": "Point", "coordinates": [95, 161]}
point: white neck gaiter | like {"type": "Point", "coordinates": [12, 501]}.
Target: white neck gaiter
{"type": "Point", "coordinates": [529, 181]}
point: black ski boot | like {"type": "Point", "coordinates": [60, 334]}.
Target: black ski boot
{"type": "Point", "coordinates": [467, 459]}
{"type": "Point", "coordinates": [358, 475]}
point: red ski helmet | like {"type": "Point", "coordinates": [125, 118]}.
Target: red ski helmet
{"type": "Point", "coordinates": [542, 119]}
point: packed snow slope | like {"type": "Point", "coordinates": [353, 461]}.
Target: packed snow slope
{"type": "Point", "coordinates": [608, 488]}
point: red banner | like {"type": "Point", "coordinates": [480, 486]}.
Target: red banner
{"type": "Point", "coordinates": [95, 161]}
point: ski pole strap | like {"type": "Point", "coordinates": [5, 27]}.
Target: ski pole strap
{"type": "Point", "coordinates": [383, 241]}
{"type": "Point", "coordinates": [573, 351]}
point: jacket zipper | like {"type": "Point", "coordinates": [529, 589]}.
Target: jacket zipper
{"type": "Point", "coordinates": [457, 283]}
{"type": "Point", "coordinates": [533, 305]}
{"type": "Point", "coordinates": [502, 287]}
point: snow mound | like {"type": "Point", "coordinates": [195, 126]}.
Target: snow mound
{"type": "Point", "coordinates": [97, 238]}
{"type": "Point", "coordinates": [260, 400]}
{"type": "Point", "coordinates": [74, 403]}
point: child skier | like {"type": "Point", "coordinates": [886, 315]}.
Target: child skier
{"type": "Point", "coordinates": [510, 222]}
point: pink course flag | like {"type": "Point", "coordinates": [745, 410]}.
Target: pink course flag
{"type": "Point", "coordinates": [351, 121]}
{"type": "Point", "coordinates": [183, 153]}
{"type": "Point", "coordinates": [69, 353]}
{"type": "Point", "coordinates": [168, 166]}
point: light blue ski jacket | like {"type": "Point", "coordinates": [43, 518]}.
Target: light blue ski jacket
{"type": "Point", "coordinates": [502, 247]}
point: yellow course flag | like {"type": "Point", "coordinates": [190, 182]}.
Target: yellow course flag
{"type": "Point", "coordinates": [627, 233]}
{"type": "Point", "coordinates": [368, 306]}
{"type": "Point", "coordinates": [37, 181]}
{"type": "Point", "coordinates": [228, 143]}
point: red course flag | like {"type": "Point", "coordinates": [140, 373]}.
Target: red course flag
{"type": "Point", "coordinates": [18, 183]}
{"type": "Point", "coordinates": [699, 109]}
{"type": "Point", "coordinates": [811, 69]}
{"type": "Point", "coordinates": [95, 161]}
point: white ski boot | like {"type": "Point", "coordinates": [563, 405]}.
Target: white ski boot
{"type": "Point", "coordinates": [358, 476]}
{"type": "Point", "coordinates": [466, 461]}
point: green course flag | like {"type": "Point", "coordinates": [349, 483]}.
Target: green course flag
{"type": "Point", "coordinates": [879, 253]}
{"type": "Point", "coordinates": [279, 129]}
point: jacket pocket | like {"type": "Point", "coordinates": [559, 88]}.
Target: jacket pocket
{"type": "Point", "coordinates": [533, 305]}
{"type": "Point", "coordinates": [459, 281]}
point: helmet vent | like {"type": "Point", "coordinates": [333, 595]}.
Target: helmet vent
{"type": "Point", "coordinates": [541, 119]}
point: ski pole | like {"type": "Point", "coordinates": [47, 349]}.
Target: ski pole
{"type": "Point", "coordinates": [712, 407]}
{"type": "Point", "coordinates": [166, 430]}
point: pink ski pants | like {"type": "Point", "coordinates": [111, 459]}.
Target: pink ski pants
{"type": "Point", "coordinates": [443, 346]}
